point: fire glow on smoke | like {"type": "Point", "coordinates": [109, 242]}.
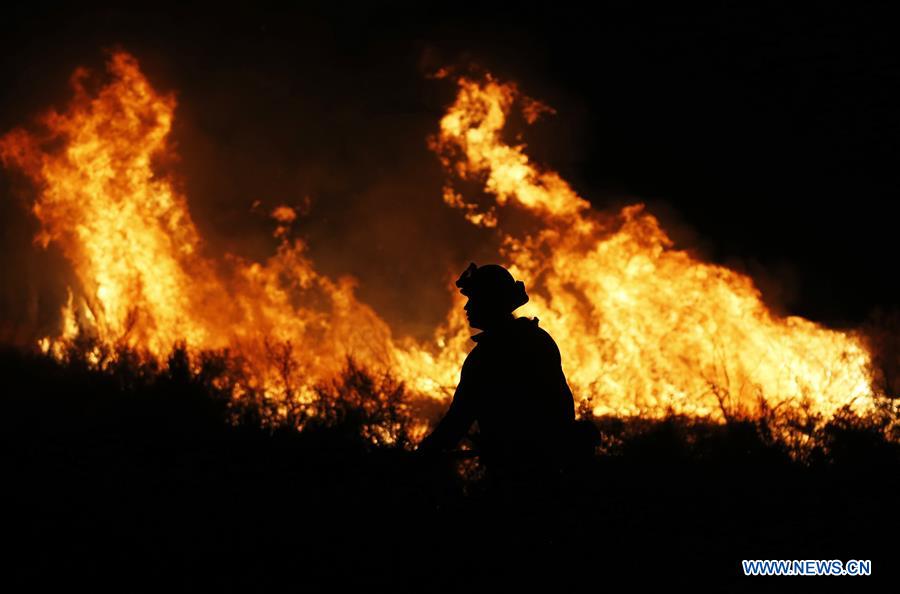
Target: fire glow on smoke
{"type": "Point", "coordinates": [643, 328]}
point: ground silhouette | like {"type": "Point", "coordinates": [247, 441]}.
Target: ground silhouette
{"type": "Point", "coordinates": [132, 479]}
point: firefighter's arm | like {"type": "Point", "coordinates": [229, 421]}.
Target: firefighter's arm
{"type": "Point", "coordinates": [453, 427]}
{"type": "Point", "coordinates": [566, 400]}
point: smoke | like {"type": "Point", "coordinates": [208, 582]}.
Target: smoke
{"type": "Point", "coordinates": [354, 159]}
{"type": "Point", "coordinates": [32, 281]}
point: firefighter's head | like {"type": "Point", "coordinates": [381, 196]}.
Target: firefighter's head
{"type": "Point", "coordinates": [493, 294]}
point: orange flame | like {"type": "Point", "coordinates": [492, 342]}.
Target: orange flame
{"type": "Point", "coordinates": [138, 256]}
{"type": "Point", "coordinates": [643, 328]}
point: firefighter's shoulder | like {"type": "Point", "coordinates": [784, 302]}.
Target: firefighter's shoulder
{"type": "Point", "coordinates": [538, 337]}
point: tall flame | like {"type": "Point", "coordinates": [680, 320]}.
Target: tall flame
{"type": "Point", "coordinates": [144, 281]}
{"type": "Point", "coordinates": [643, 328]}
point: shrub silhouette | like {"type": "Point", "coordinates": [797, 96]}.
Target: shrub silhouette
{"type": "Point", "coordinates": [138, 476]}
{"type": "Point", "coordinates": [358, 403]}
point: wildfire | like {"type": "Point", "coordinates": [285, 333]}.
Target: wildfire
{"type": "Point", "coordinates": [643, 328]}
{"type": "Point", "coordinates": [144, 281]}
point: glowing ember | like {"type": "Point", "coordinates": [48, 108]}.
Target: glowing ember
{"type": "Point", "coordinates": [643, 328]}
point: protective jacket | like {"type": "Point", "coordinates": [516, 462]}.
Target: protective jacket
{"type": "Point", "coordinates": [512, 384]}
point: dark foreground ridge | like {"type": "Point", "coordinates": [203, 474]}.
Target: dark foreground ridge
{"type": "Point", "coordinates": [138, 482]}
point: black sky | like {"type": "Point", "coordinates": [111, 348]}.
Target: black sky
{"type": "Point", "coordinates": [764, 135]}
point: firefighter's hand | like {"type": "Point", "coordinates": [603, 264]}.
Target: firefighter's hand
{"type": "Point", "coordinates": [431, 454]}
{"type": "Point", "coordinates": [427, 452]}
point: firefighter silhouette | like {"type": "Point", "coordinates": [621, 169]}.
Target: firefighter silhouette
{"type": "Point", "coordinates": [511, 384]}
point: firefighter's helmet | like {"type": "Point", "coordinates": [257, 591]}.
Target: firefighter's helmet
{"type": "Point", "coordinates": [493, 282]}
